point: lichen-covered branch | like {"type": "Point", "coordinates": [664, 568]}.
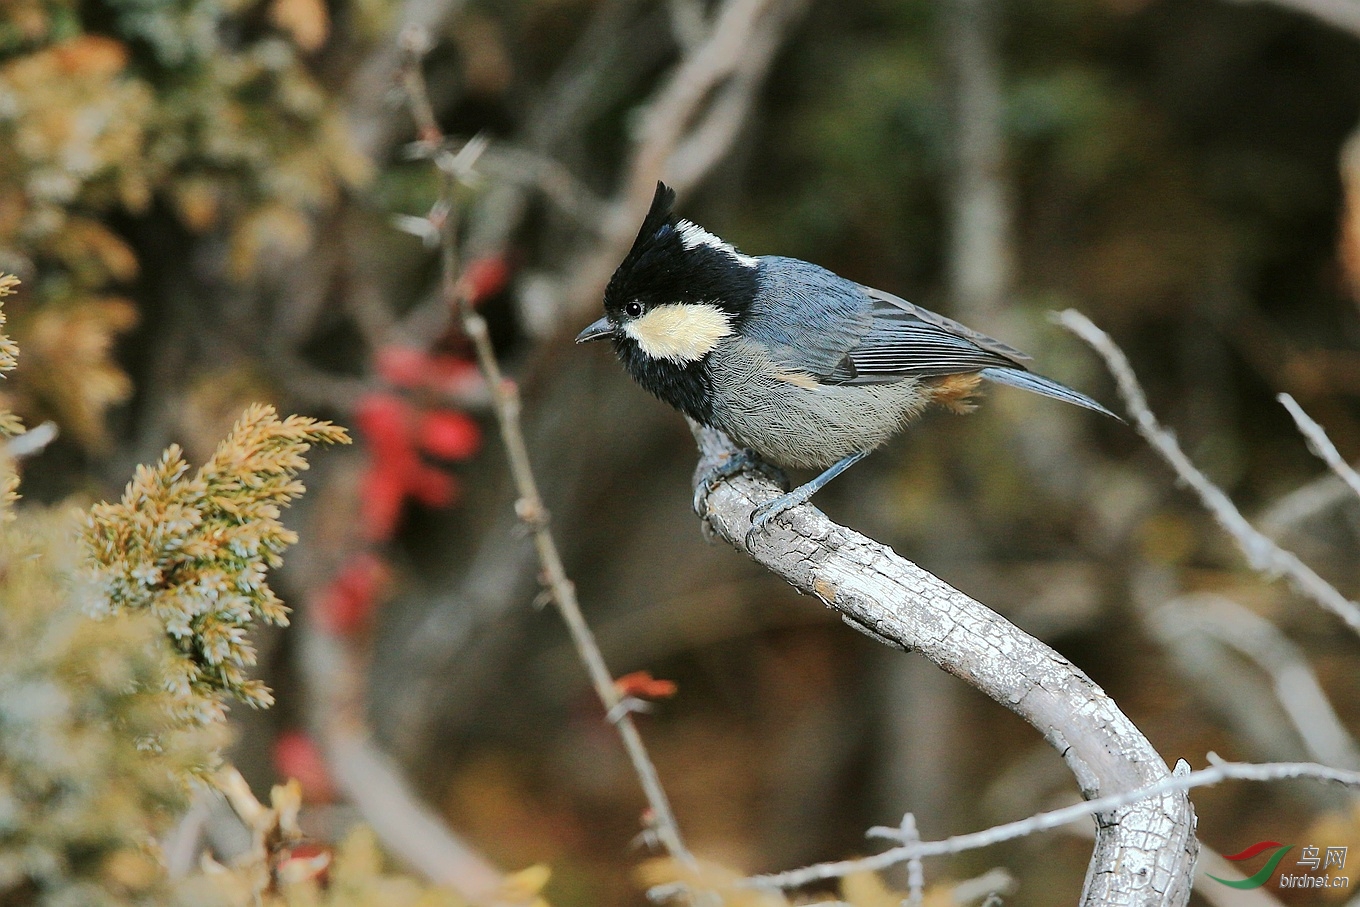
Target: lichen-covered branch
{"type": "Point", "coordinates": [1145, 850]}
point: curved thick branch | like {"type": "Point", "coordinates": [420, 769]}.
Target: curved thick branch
{"type": "Point", "coordinates": [1145, 851]}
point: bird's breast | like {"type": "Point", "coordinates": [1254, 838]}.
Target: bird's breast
{"type": "Point", "coordinates": [791, 419]}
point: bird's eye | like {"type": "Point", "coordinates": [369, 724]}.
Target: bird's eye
{"type": "Point", "coordinates": [633, 309]}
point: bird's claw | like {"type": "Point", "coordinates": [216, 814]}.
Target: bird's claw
{"type": "Point", "coordinates": [733, 465]}
{"type": "Point", "coordinates": [742, 461]}
{"type": "Point", "coordinates": [762, 515]}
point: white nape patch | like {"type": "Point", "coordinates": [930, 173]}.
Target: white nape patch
{"type": "Point", "coordinates": [692, 236]}
{"type": "Point", "coordinates": [681, 332]}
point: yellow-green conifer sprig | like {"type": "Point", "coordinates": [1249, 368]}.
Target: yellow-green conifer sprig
{"type": "Point", "coordinates": [194, 551]}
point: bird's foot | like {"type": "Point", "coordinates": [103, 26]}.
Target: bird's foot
{"type": "Point", "coordinates": [800, 495]}
{"type": "Point", "coordinates": [762, 515]}
{"type": "Point", "coordinates": [735, 464]}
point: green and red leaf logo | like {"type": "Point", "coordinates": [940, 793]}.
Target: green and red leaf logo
{"type": "Point", "coordinates": [1265, 872]}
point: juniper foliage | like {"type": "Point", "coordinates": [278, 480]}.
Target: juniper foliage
{"type": "Point", "coordinates": [194, 551]}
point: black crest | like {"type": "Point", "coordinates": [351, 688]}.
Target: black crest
{"type": "Point", "coordinates": [661, 268]}
{"type": "Point", "coordinates": [659, 216]}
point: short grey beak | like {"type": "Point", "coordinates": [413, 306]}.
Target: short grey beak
{"type": "Point", "coordinates": [599, 329]}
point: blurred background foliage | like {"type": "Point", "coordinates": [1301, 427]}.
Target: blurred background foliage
{"type": "Point", "coordinates": [199, 197]}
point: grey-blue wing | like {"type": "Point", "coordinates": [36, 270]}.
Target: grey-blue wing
{"type": "Point", "coordinates": [813, 322]}
{"type": "Point", "coordinates": [907, 341]}
{"type": "Point", "coordinates": [806, 317]}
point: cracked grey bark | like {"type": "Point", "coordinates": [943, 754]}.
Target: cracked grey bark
{"type": "Point", "coordinates": [1145, 853]}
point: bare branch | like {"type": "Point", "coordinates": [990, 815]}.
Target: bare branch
{"type": "Point", "coordinates": [1143, 845]}
{"type": "Point", "coordinates": [1320, 444]}
{"type": "Point", "coordinates": [181, 847]}
{"type": "Point", "coordinates": [413, 832]}
{"type": "Point", "coordinates": [1296, 685]}
{"type": "Point", "coordinates": [916, 871]}
{"type": "Point", "coordinates": [687, 22]}
{"type": "Point", "coordinates": [1312, 501]}
{"type": "Point", "coordinates": [408, 829]}
{"type": "Point", "coordinates": [530, 507]}
{"type": "Point", "coordinates": [1262, 554]}
{"type": "Point", "coordinates": [1215, 774]}
{"type": "Point", "coordinates": [372, 114]}
{"type": "Point", "coordinates": [1209, 863]}
{"type": "Point", "coordinates": [979, 194]}
{"type": "Point", "coordinates": [992, 883]}
{"type": "Point", "coordinates": [34, 441]}
{"type": "Point", "coordinates": [710, 140]}
{"type": "Point", "coordinates": [739, 27]}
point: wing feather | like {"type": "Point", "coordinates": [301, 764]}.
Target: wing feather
{"type": "Point", "coordinates": [907, 341]}
{"type": "Point", "coordinates": [814, 322]}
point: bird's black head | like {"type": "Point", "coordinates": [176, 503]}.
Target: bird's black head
{"type": "Point", "coordinates": [674, 261]}
{"type": "Point", "coordinates": [676, 294]}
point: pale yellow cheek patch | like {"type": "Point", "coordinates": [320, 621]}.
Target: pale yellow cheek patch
{"type": "Point", "coordinates": [682, 333]}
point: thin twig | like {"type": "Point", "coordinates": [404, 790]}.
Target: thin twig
{"type": "Point", "coordinates": [529, 507]}
{"type": "Point", "coordinates": [1211, 864]}
{"type": "Point", "coordinates": [981, 209]}
{"type": "Point", "coordinates": [1297, 688]}
{"type": "Point", "coordinates": [916, 871]}
{"type": "Point", "coordinates": [666, 125]}
{"type": "Point", "coordinates": [1311, 501]}
{"type": "Point", "coordinates": [710, 140]}
{"type": "Point", "coordinates": [992, 883]}
{"type": "Point", "coordinates": [1217, 773]}
{"type": "Point", "coordinates": [31, 442]}
{"type": "Point", "coordinates": [1320, 444]}
{"type": "Point", "coordinates": [1262, 554]}
{"type": "Point", "coordinates": [181, 847]}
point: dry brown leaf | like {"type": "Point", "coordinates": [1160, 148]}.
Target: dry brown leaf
{"type": "Point", "coordinates": [1350, 218]}
{"type": "Point", "coordinates": [305, 21]}
{"type": "Point", "coordinates": [86, 238]}
{"type": "Point", "coordinates": [709, 876]}
{"type": "Point", "coordinates": [68, 369]}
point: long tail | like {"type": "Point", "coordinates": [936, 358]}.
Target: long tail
{"type": "Point", "coordinates": [1041, 385]}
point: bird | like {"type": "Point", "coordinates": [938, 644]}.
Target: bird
{"type": "Point", "coordinates": [799, 366]}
